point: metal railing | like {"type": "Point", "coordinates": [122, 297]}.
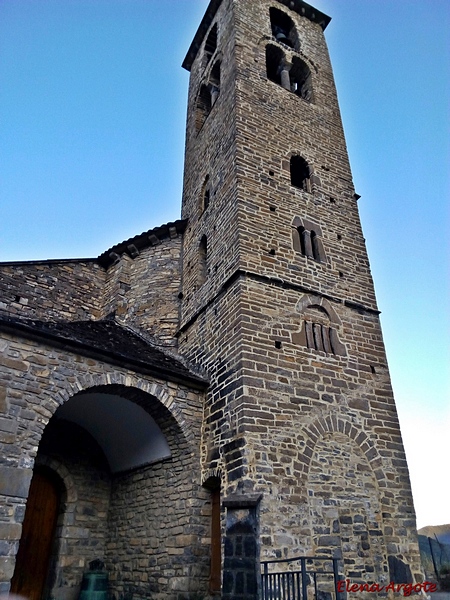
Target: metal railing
{"type": "Point", "coordinates": [302, 578]}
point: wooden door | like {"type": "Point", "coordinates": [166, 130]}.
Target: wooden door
{"type": "Point", "coordinates": [38, 531]}
{"type": "Point", "coordinates": [215, 576]}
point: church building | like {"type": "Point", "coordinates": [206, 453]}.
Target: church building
{"type": "Point", "coordinates": [206, 408]}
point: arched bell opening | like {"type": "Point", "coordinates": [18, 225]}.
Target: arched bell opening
{"type": "Point", "coordinates": [275, 63]}
{"type": "Point", "coordinates": [301, 79]}
{"type": "Point", "coordinates": [210, 44]}
{"type": "Point", "coordinates": [203, 106]}
{"type": "Point", "coordinates": [283, 28]}
{"type": "Point", "coordinates": [214, 82]}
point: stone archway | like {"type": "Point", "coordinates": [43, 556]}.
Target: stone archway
{"type": "Point", "coordinates": [126, 514]}
{"type": "Point", "coordinates": [131, 387]}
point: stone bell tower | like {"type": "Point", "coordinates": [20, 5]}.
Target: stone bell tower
{"type": "Point", "coordinates": [278, 301]}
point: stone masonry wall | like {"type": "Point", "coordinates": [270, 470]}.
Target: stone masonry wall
{"type": "Point", "coordinates": [282, 125]}
{"type": "Point", "coordinates": [344, 508]}
{"type": "Point", "coordinates": [213, 342]}
{"type": "Point", "coordinates": [144, 290]}
{"type": "Point", "coordinates": [34, 380]}
{"type": "Point", "coordinates": [52, 289]}
{"type": "Point", "coordinates": [273, 408]}
{"type": "Point", "coordinates": [210, 152]}
{"type": "Point", "coordinates": [158, 537]}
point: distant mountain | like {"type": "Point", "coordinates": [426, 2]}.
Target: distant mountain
{"type": "Point", "coordinates": [441, 532]}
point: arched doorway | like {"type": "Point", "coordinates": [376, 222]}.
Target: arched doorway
{"type": "Point", "coordinates": [130, 481]}
{"type": "Point", "coordinates": [38, 530]}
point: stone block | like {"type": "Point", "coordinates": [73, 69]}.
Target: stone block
{"type": "Point", "coordinates": [15, 482]}
{"type": "Point", "coordinates": [8, 425]}
{"type": "Point", "coordinates": [6, 568]}
{"type": "Point", "coordinates": [399, 571]}
{"type": "Point", "coordinates": [13, 364]}
{"type": "Point", "coordinates": [329, 540]}
{"type": "Point", "coordinates": [10, 531]}
{"type": "Point", "coordinates": [4, 587]}
{"type": "Point", "coordinates": [3, 401]}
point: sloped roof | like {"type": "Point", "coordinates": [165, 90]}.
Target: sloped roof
{"type": "Point", "coordinates": [134, 245]}
{"type": "Point", "coordinates": [109, 341]}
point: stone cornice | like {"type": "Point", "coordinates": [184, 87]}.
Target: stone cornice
{"type": "Point", "coordinates": [279, 283]}
{"type": "Point", "coordinates": [133, 246]}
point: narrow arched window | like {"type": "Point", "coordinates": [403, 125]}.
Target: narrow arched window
{"type": "Point", "coordinates": [307, 240]}
{"type": "Point", "coordinates": [202, 260]}
{"type": "Point", "coordinates": [210, 44]}
{"type": "Point", "coordinates": [274, 63]}
{"type": "Point", "coordinates": [205, 195]}
{"type": "Point", "coordinates": [301, 80]}
{"type": "Point", "coordinates": [315, 246]}
{"type": "Point", "coordinates": [203, 106]}
{"type": "Point", "coordinates": [301, 238]}
{"type": "Point", "coordinates": [214, 81]}
{"type": "Point", "coordinates": [283, 28]}
{"type": "Point", "coordinates": [300, 173]}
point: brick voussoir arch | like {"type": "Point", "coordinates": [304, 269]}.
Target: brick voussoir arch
{"type": "Point", "coordinates": [313, 300]}
{"type": "Point", "coordinates": [131, 385]}
{"type": "Point", "coordinates": [336, 424]}
{"type": "Point", "coordinates": [70, 489]}
{"type": "Point", "coordinates": [61, 470]}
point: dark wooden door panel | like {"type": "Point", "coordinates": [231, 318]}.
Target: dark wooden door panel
{"type": "Point", "coordinates": [37, 536]}
{"type": "Point", "coordinates": [215, 578]}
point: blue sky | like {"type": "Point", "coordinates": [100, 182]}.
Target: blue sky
{"type": "Point", "coordinates": [92, 125]}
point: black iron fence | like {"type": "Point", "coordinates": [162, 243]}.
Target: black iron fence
{"type": "Point", "coordinates": [300, 578]}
